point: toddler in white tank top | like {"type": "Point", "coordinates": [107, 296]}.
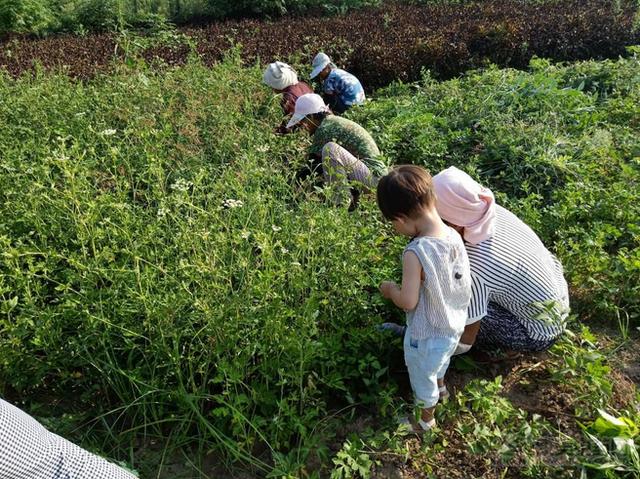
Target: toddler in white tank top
{"type": "Point", "coordinates": [436, 284]}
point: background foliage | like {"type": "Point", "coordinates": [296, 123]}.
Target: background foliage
{"type": "Point", "coordinates": [380, 45]}
{"type": "Point", "coordinates": [47, 16]}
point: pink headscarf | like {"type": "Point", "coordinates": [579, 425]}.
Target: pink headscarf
{"type": "Point", "coordinates": [461, 201]}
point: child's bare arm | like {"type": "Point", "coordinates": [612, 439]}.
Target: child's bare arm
{"type": "Point", "coordinates": [405, 297]}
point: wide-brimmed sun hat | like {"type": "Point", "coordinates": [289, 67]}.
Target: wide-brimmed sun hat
{"type": "Point", "coordinates": [462, 201]}
{"type": "Point", "coordinates": [279, 76]}
{"type": "Point", "coordinates": [308, 104]}
{"type": "Point", "coordinates": [320, 62]}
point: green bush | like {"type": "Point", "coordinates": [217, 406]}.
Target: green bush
{"type": "Point", "coordinates": [47, 16]}
{"type": "Point", "coordinates": [26, 16]}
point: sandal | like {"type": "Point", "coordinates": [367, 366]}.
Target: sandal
{"type": "Point", "coordinates": [411, 427]}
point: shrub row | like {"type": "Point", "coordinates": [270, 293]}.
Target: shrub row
{"type": "Point", "coordinates": [41, 17]}
{"type": "Point", "coordinates": [379, 45]}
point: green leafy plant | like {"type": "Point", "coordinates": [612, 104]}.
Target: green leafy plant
{"type": "Point", "coordinates": [619, 455]}
{"type": "Point", "coordinates": [351, 462]}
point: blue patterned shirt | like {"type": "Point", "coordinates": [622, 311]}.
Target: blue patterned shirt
{"type": "Point", "coordinates": [345, 86]}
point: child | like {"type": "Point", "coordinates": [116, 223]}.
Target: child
{"type": "Point", "coordinates": [436, 284]}
{"type": "Point", "coordinates": [340, 89]}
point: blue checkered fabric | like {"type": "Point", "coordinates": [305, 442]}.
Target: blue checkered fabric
{"type": "Point", "coordinates": [29, 451]}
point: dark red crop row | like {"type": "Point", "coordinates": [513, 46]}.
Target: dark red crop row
{"type": "Point", "coordinates": [379, 45]}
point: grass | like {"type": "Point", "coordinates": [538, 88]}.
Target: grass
{"type": "Point", "coordinates": [162, 273]}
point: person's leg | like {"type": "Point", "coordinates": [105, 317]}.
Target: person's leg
{"type": "Point", "coordinates": [451, 344]}
{"type": "Point", "coordinates": [502, 329]}
{"type": "Point", "coordinates": [495, 327]}
{"type": "Point", "coordinates": [470, 333]}
{"type": "Point", "coordinates": [340, 168]}
{"type": "Point", "coordinates": [468, 338]}
{"type": "Point", "coordinates": [424, 359]}
{"type": "Point", "coordinates": [422, 376]}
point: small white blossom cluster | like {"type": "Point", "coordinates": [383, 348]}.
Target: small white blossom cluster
{"type": "Point", "coordinates": [231, 203]}
{"type": "Point", "coordinates": [162, 212]}
{"type": "Point", "coordinates": [108, 132]}
{"type": "Point", "coordinates": [181, 185]}
{"type": "Point", "coordinates": [276, 228]}
{"type": "Point", "coordinates": [245, 235]}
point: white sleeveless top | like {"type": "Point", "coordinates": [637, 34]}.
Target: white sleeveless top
{"type": "Point", "coordinates": [445, 292]}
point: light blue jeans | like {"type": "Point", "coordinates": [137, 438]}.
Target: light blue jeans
{"type": "Point", "coordinates": [427, 361]}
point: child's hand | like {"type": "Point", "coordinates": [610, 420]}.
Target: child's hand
{"type": "Point", "coordinates": [387, 287]}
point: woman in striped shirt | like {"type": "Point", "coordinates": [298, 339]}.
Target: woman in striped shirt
{"type": "Point", "coordinates": [520, 298]}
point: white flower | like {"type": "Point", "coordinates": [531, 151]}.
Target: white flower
{"type": "Point", "coordinates": [263, 148]}
{"type": "Point", "coordinates": [276, 228]}
{"type": "Point", "coordinates": [231, 203]}
{"type": "Point", "coordinates": [108, 132]}
{"type": "Point", "coordinates": [245, 235]}
{"type": "Point", "coordinates": [181, 185]}
{"type": "Point", "coordinates": [162, 212]}
{"type": "Point", "coordinates": [284, 250]}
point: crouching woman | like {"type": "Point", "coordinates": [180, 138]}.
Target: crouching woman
{"type": "Point", "coordinates": [520, 298]}
{"type": "Point", "coordinates": [347, 152]}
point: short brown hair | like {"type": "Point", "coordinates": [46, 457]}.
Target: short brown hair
{"type": "Point", "coordinates": [404, 191]}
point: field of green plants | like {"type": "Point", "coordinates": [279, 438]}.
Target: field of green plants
{"type": "Point", "coordinates": [173, 299]}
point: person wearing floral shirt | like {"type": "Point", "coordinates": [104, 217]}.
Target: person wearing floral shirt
{"type": "Point", "coordinates": [347, 151]}
{"type": "Point", "coordinates": [341, 90]}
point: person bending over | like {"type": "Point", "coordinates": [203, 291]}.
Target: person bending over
{"type": "Point", "coordinates": [340, 89]}
{"type": "Point", "coordinates": [347, 152]}
{"type": "Point", "coordinates": [520, 299]}
{"type": "Point", "coordinates": [284, 80]}
{"type": "Point", "coordinates": [29, 451]}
